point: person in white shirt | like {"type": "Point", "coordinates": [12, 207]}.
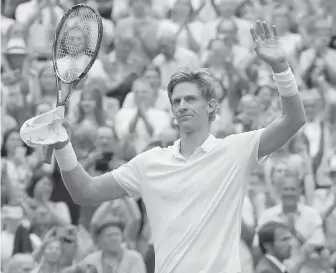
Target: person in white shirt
{"type": "Point", "coordinates": [171, 56]}
{"type": "Point", "coordinates": [194, 190]}
{"type": "Point", "coordinates": [141, 123]}
{"type": "Point", "coordinates": [226, 10]}
{"type": "Point", "coordinates": [275, 245]}
{"type": "Point", "coordinates": [302, 220]}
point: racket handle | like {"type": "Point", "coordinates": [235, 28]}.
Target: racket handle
{"type": "Point", "coordinates": [49, 150]}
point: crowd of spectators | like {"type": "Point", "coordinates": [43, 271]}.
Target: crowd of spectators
{"type": "Point", "coordinates": [121, 108]}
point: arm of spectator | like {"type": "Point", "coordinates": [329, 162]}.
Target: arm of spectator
{"type": "Point", "coordinates": [38, 252]}
{"type": "Point", "coordinates": [315, 230]}
{"type": "Point", "coordinates": [306, 61]}
{"type": "Point", "coordinates": [192, 43]}
{"type": "Point", "coordinates": [142, 112]}
{"type": "Point", "coordinates": [135, 221]}
{"type": "Point", "coordinates": [323, 207]}
{"type": "Point", "coordinates": [100, 214]}
{"type": "Point", "coordinates": [309, 178]}
{"type": "Point", "coordinates": [247, 233]}
{"type": "Point", "coordinates": [134, 122]}
{"type": "Point", "coordinates": [215, 7]}
{"type": "Point", "coordinates": [61, 214]}
{"type": "Point", "coordinates": [7, 185]}
{"type": "Point", "coordinates": [295, 265]}
{"type": "Point", "coordinates": [37, 14]}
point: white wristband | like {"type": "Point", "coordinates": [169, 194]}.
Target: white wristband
{"type": "Point", "coordinates": [66, 158]}
{"type": "Point", "coordinates": [286, 83]}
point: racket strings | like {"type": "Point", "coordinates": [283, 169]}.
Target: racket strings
{"type": "Point", "coordinates": [77, 43]}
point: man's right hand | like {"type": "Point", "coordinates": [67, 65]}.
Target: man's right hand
{"type": "Point", "coordinates": [60, 145]}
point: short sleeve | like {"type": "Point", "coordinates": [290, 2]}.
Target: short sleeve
{"type": "Point", "coordinates": [248, 148]}
{"type": "Point", "coordinates": [130, 176]}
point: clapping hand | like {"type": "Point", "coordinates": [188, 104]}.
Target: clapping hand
{"type": "Point", "coordinates": [267, 44]}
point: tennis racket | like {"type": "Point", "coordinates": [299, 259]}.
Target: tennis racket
{"type": "Point", "coordinates": [75, 48]}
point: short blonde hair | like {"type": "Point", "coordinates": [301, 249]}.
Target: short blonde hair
{"type": "Point", "coordinates": [198, 76]}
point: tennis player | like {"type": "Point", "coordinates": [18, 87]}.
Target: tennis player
{"type": "Point", "coordinates": [194, 189]}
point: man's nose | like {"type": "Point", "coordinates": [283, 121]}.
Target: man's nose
{"type": "Point", "coordinates": [183, 105]}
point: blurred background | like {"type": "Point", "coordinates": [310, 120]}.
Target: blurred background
{"type": "Point", "coordinates": [144, 42]}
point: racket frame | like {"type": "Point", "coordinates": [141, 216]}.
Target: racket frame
{"type": "Point", "coordinates": [75, 82]}
{"type": "Point", "coordinates": [59, 78]}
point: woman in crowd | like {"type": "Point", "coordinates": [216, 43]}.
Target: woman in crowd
{"type": "Point", "coordinates": [41, 191]}
{"type": "Point", "coordinates": [47, 83]}
{"type": "Point", "coordinates": [19, 160]}
{"type": "Point", "coordinates": [89, 117]}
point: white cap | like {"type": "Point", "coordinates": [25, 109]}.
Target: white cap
{"type": "Point", "coordinates": [12, 212]}
{"type": "Point", "coordinates": [16, 46]}
{"type": "Point", "coordinates": [45, 129]}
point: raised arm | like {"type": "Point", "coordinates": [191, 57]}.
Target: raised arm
{"type": "Point", "coordinates": [293, 116]}
{"type": "Point", "coordinates": [84, 189]}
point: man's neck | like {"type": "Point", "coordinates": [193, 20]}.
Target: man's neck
{"type": "Point", "coordinates": [50, 267]}
{"type": "Point", "coordinates": [190, 141]}
{"type": "Point", "coordinates": [113, 255]}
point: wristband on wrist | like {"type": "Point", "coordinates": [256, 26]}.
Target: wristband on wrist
{"type": "Point", "coordinates": [286, 83]}
{"type": "Point", "coordinates": [66, 158]}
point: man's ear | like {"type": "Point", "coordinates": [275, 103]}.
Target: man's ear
{"type": "Point", "coordinates": [212, 105]}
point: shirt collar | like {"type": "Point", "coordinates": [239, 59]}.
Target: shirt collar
{"type": "Point", "coordinates": [276, 262]}
{"type": "Point", "coordinates": [206, 147]}
{"type": "Point", "coordinates": [297, 213]}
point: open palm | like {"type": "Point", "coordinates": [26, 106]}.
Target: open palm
{"type": "Point", "coordinates": [267, 45]}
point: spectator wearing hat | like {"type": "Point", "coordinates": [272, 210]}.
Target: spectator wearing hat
{"type": "Point", "coordinates": [112, 257]}
{"type": "Point", "coordinates": [20, 263]}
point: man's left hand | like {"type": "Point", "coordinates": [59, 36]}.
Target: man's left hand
{"type": "Point", "coordinates": [267, 46]}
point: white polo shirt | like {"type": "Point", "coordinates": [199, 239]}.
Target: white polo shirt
{"type": "Point", "coordinates": [194, 205]}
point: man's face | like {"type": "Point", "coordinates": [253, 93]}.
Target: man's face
{"type": "Point", "coordinates": [14, 98]}
{"type": "Point", "coordinates": [227, 8]}
{"type": "Point", "coordinates": [281, 21]}
{"type": "Point", "coordinates": [139, 6]}
{"type": "Point", "coordinates": [312, 108]}
{"type": "Point", "coordinates": [219, 52]}
{"type": "Point", "coordinates": [290, 191]}
{"type": "Point", "coordinates": [322, 35]}
{"type": "Point", "coordinates": [111, 238]}
{"type": "Point", "coordinates": [190, 108]}
{"type": "Point", "coordinates": [142, 93]}
{"type": "Point", "coordinates": [105, 138]}
{"type": "Point", "coordinates": [167, 45]}
{"type": "Point", "coordinates": [229, 31]}
{"type": "Point", "coordinates": [282, 243]}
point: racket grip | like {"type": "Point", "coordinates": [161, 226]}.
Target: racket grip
{"type": "Point", "coordinates": [49, 150]}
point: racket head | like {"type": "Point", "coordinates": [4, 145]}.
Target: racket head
{"type": "Point", "coordinates": [76, 43]}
